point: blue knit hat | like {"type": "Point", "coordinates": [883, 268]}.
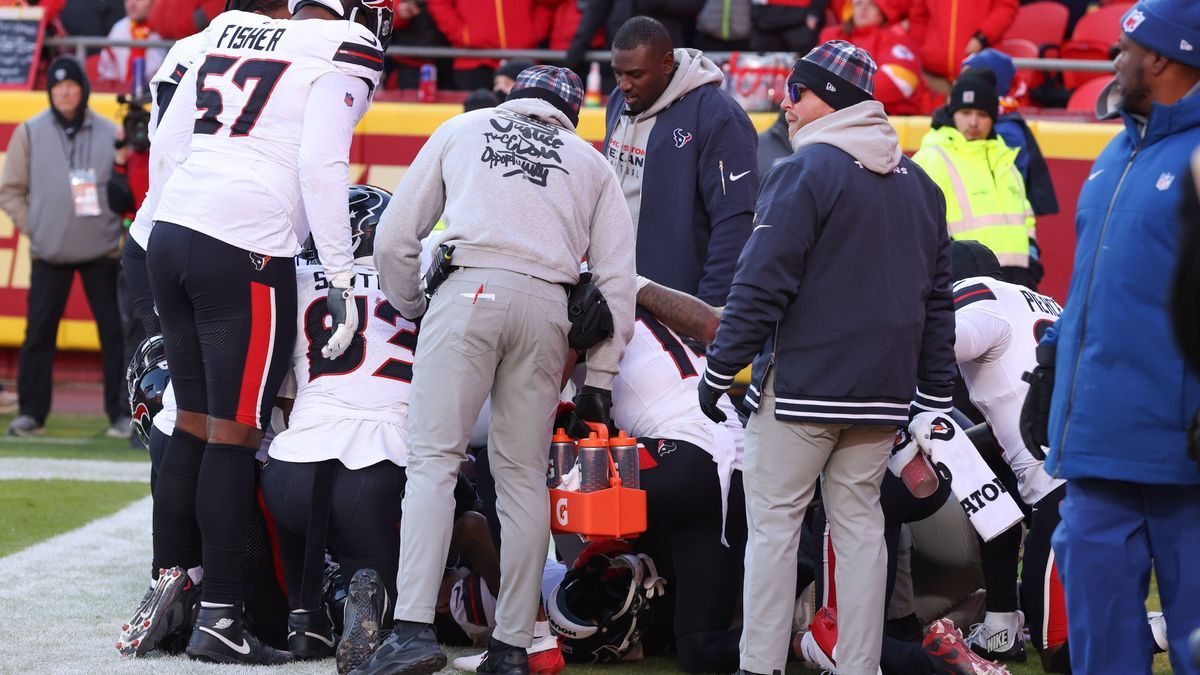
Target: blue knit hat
{"type": "Point", "coordinates": [999, 63]}
{"type": "Point", "coordinates": [561, 87]}
{"type": "Point", "coordinates": [838, 73]}
{"type": "Point", "coordinates": [1169, 27]}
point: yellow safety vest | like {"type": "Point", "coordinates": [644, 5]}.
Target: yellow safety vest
{"type": "Point", "coordinates": [985, 194]}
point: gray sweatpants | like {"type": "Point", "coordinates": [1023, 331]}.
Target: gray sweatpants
{"type": "Point", "coordinates": [782, 463]}
{"type": "Point", "coordinates": [503, 333]}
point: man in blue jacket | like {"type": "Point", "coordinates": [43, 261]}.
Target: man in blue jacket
{"type": "Point", "coordinates": [842, 299]}
{"type": "Point", "coordinates": [1120, 407]}
{"type": "Point", "coordinates": [686, 156]}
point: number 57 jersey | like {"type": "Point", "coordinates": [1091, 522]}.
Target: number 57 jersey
{"type": "Point", "coordinates": [264, 95]}
{"type": "Point", "coordinates": [353, 408]}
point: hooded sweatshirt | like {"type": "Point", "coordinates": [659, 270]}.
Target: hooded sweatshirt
{"type": "Point", "coordinates": [517, 190]}
{"type": "Point", "coordinates": [689, 173]}
{"type": "Point", "coordinates": [845, 300]}
{"type": "Point", "coordinates": [35, 189]}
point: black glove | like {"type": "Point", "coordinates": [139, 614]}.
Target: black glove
{"type": "Point", "coordinates": [1035, 412]}
{"type": "Point", "coordinates": [591, 320]}
{"type": "Point", "coordinates": [709, 395]}
{"type": "Point", "coordinates": [1193, 437]}
{"type": "Point", "coordinates": [592, 404]}
{"type": "Point", "coordinates": [438, 270]}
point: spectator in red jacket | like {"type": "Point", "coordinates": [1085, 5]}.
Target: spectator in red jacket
{"type": "Point", "coordinates": [487, 24]}
{"type": "Point", "coordinates": [899, 85]}
{"type": "Point", "coordinates": [176, 19]}
{"type": "Point", "coordinates": [950, 30]}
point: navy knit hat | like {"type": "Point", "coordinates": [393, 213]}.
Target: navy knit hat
{"type": "Point", "coordinates": [975, 88]}
{"type": "Point", "coordinates": [837, 72]}
{"type": "Point", "coordinates": [1169, 27]}
{"type": "Point", "coordinates": [561, 87]}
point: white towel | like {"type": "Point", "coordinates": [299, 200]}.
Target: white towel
{"type": "Point", "coordinates": [988, 505]}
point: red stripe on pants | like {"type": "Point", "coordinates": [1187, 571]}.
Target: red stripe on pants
{"type": "Point", "coordinates": [262, 329]}
{"type": "Point", "coordinates": [1056, 608]}
{"type": "Point", "coordinates": [830, 570]}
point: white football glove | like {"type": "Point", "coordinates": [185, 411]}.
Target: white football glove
{"type": "Point", "coordinates": [344, 312]}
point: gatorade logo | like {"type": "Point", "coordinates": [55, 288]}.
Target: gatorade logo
{"type": "Point", "coordinates": [560, 511]}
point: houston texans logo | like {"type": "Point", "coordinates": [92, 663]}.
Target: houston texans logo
{"type": "Point", "coordinates": [259, 260]}
{"type": "Point", "coordinates": [141, 411]}
{"type": "Point", "coordinates": [682, 138]}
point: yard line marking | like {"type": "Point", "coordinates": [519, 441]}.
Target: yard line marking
{"type": "Point", "coordinates": [103, 471]}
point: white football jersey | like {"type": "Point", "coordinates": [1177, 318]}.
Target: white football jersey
{"type": "Point", "coordinates": [997, 329]}
{"type": "Point", "coordinates": [165, 153]}
{"type": "Point", "coordinates": [255, 88]}
{"type": "Point", "coordinates": [353, 408]}
{"type": "Point", "coordinates": [654, 393]}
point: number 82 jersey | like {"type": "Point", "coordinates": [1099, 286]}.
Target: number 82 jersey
{"type": "Point", "coordinates": [353, 408]}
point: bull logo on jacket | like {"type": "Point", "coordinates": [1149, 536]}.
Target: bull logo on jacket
{"type": "Point", "coordinates": [941, 429]}
{"type": "Point", "coordinates": [682, 138]}
{"type": "Point", "coordinates": [524, 147]}
{"type": "Point", "coordinates": [259, 261]}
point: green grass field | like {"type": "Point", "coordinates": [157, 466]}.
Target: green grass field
{"type": "Point", "coordinates": [35, 510]}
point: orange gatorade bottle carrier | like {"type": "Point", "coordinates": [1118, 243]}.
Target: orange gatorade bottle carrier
{"type": "Point", "coordinates": [611, 512]}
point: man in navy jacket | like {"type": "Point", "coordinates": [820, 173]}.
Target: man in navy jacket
{"type": "Point", "coordinates": [842, 298]}
{"type": "Point", "coordinates": [686, 156]}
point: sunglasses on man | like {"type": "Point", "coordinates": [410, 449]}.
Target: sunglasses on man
{"type": "Point", "coordinates": [795, 91]}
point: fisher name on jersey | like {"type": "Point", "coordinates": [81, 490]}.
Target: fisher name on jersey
{"type": "Point", "coordinates": [241, 180]}
{"type": "Point", "coordinates": [353, 408]}
{"type": "Point", "coordinates": [997, 329]}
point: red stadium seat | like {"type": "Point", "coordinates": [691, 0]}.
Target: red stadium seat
{"type": "Point", "coordinates": [1093, 39]}
{"type": "Point", "coordinates": [1042, 23]}
{"type": "Point", "coordinates": [1022, 49]}
{"type": "Point", "coordinates": [1102, 25]}
{"type": "Point", "coordinates": [1084, 98]}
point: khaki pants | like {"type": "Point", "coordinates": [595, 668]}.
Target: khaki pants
{"type": "Point", "coordinates": [783, 461]}
{"type": "Point", "coordinates": [503, 333]}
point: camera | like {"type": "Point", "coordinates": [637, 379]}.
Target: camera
{"type": "Point", "coordinates": [135, 118]}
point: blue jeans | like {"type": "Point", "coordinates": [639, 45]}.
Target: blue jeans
{"type": "Point", "coordinates": [1112, 532]}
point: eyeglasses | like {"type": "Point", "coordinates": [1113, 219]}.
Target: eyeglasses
{"type": "Point", "coordinates": [795, 91]}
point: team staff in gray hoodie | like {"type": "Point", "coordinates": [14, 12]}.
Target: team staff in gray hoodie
{"type": "Point", "coordinates": [524, 199]}
{"type": "Point", "coordinates": [54, 187]}
{"type": "Point", "coordinates": [685, 154]}
{"type": "Point", "coordinates": [842, 299]}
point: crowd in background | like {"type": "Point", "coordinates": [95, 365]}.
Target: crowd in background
{"type": "Point", "coordinates": [920, 45]}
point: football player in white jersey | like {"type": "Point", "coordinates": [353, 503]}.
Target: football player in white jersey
{"type": "Point", "coordinates": [690, 468]}
{"type": "Point", "coordinates": [341, 459]}
{"type": "Point", "coordinates": [271, 106]}
{"type": "Point", "coordinates": [997, 328]}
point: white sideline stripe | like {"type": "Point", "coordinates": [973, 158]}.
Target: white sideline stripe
{"type": "Point", "coordinates": [43, 440]}
{"type": "Point", "coordinates": [34, 468]}
{"type": "Point", "coordinates": [69, 595]}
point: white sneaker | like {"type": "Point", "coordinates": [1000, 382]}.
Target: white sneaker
{"type": "Point", "coordinates": [1158, 628]}
{"type": "Point", "coordinates": [813, 654]}
{"type": "Point", "coordinates": [1001, 637]}
{"type": "Point", "coordinates": [544, 656]}
{"type": "Point", "coordinates": [120, 428]}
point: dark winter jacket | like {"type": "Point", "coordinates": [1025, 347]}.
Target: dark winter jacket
{"type": "Point", "coordinates": [689, 172]}
{"type": "Point", "coordinates": [844, 287]}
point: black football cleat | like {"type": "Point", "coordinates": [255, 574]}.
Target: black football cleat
{"type": "Point", "coordinates": [220, 637]}
{"type": "Point", "coordinates": [362, 629]}
{"type": "Point", "coordinates": [310, 635]}
{"type": "Point", "coordinates": [165, 609]}
{"type": "Point", "coordinates": [504, 659]}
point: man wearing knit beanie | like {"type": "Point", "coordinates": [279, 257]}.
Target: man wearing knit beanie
{"type": "Point", "coordinates": [1117, 435]}
{"type": "Point", "coordinates": [849, 257]}
{"type": "Point", "coordinates": [973, 103]}
{"type": "Point", "coordinates": [524, 199]}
